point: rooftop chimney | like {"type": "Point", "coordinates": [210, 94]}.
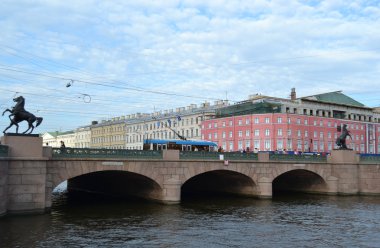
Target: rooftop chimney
{"type": "Point", "coordinates": [293, 94]}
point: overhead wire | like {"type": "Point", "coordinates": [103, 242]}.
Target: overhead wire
{"type": "Point", "coordinates": [111, 85]}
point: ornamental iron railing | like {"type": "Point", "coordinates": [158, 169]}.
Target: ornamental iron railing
{"type": "Point", "coordinates": [298, 157]}
{"type": "Point", "coordinates": [3, 151]}
{"type": "Point", "coordinates": [105, 153]}
{"type": "Point", "coordinates": [370, 158]}
{"type": "Point", "coordinates": [217, 155]}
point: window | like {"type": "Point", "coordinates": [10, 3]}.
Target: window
{"type": "Point", "coordinates": [215, 124]}
{"type": "Point", "coordinates": [315, 146]}
{"type": "Point", "coordinates": [215, 135]}
{"type": "Point", "coordinates": [209, 125]}
{"type": "Point", "coordinates": [280, 144]}
{"type": "Point", "coordinates": [240, 122]}
{"type": "Point", "coordinates": [329, 146]}
{"type": "Point", "coordinates": [298, 121]}
{"type": "Point", "coordinates": [231, 146]}
{"type": "Point", "coordinates": [329, 135]}
{"type": "Point", "coordinates": [289, 144]}
{"type": "Point", "coordinates": [231, 134]}
{"type": "Point", "coordinates": [223, 124]}
{"type": "Point", "coordinates": [256, 144]}
{"type": "Point", "coordinates": [230, 123]}
{"type": "Point", "coordinates": [315, 123]}
{"type": "Point", "coordinates": [289, 121]}
{"type": "Point", "coordinates": [257, 132]}
{"type": "Point", "coordinates": [279, 120]}
{"type": "Point", "coordinates": [266, 119]}
{"type": "Point", "coordinates": [209, 136]}
{"type": "Point", "coordinates": [321, 123]}
{"type": "Point", "coordinates": [315, 134]}
{"type": "Point", "coordinates": [305, 122]}
{"type": "Point", "coordinates": [267, 133]}
{"type": "Point", "coordinates": [247, 121]}
{"type": "Point", "coordinates": [306, 133]}
{"type": "Point", "coordinates": [247, 143]}
{"type": "Point", "coordinates": [267, 144]}
{"type": "Point", "coordinates": [299, 133]}
{"type": "Point", "coordinates": [240, 134]}
{"type": "Point", "coordinates": [247, 133]}
{"type": "Point", "coordinates": [279, 132]}
{"type": "Point", "coordinates": [224, 135]}
{"type": "Point", "coordinates": [321, 135]}
{"type": "Point", "coordinates": [240, 145]}
{"type": "Point", "coordinates": [322, 146]}
{"type": "Point", "coordinates": [299, 145]}
{"type": "Point", "coordinates": [256, 120]}
{"type": "Point", "coordinates": [289, 132]}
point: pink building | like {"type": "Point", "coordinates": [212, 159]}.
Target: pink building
{"type": "Point", "coordinates": [236, 129]}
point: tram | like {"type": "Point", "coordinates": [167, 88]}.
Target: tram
{"type": "Point", "coordinates": [182, 145]}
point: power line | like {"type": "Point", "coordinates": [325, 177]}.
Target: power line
{"type": "Point", "coordinates": [105, 84]}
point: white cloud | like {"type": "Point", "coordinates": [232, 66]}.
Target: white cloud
{"type": "Point", "coordinates": [200, 48]}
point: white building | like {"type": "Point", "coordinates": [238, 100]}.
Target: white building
{"type": "Point", "coordinates": [82, 137]}
{"type": "Point", "coordinates": [169, 124]}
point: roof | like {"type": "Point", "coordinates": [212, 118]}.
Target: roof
{"type": "Point", "coordinates": [336, 97]}
{"type": "Point", "coordinates": [181, 142]}
{"type": "Point", "coordinates": [56, 133]}
{"type": "Point", "coordinates": [249, 107]}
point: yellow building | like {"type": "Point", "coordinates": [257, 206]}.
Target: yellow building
{"type": "Point", "coordinates": [108, 134]}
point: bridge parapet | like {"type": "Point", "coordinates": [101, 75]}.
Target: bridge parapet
{"type": "Point", "coordinates": [217, 155]}
{"type": "Point", "coordinates": [370, 158]}
{"type": "Point", "coordinates": [298, 157]}
{"type": "Point", "coordinates": [104, 153]}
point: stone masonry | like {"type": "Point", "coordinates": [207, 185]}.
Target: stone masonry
{"type": "Point", "coordinates": [27, 179]}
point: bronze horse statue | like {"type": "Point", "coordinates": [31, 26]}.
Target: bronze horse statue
{"type": "Point", "coordinates": [341, 140]}
{"type": "Point", "coordinates": [20, 114]}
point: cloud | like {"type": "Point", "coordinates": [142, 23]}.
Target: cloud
{"type": "Point", "coordinates": [205, 49]}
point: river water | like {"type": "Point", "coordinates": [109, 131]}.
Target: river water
{"type": "Point", "coordinates": [284, 221]}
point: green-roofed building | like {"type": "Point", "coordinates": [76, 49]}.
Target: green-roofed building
{"type": "Point", "coordinates": [336, 97]}
{"type": "Point", "coordinates": [332, 104]}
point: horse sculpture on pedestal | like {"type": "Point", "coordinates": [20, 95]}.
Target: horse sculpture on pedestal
{"type": "Point", "coordinates": [341, 140]}
{"type": "Point", "coordinates": [20, 114]}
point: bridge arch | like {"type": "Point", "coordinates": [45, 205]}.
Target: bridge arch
{"type": "Point", "coordinates": [300, 180]}
{"type": "Point", "coordinates": [219, 181]}
{"type": "Point", "coordinates": [116, 183]}
{"type": "Point", "coordinates": [85, 174]}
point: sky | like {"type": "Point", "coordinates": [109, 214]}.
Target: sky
{"type": "Point", "coordinates": [121, 57]}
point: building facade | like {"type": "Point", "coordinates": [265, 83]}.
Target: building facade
{"type": "Point", "coordinates": [308, 124]}
{"type": "Point", "coordinates": [82, 137]}
{"type": "Point", "coordinates": [169, 124]}
{"type": "Point", "coordinates": [109, 134]}
{"type": "Point", "coordinates": [262, 123]}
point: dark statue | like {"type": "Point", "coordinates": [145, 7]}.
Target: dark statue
{"type": "Point", "coordinates": [341, 140]}
{"type": "Point", "coordinates": [19, 114]}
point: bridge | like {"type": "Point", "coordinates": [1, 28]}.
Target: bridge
{"type": "Point", "coordinates": [30, 172]}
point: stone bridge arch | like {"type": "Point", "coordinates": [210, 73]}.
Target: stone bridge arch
{"type": "Point", "coordinates": [59, 171]}
{"type": "Point", "coordinates": [237, 178]}
{"type": "Point", "coordinates": [312, 178]}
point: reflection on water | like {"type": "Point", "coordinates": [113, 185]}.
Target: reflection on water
{"type": "Point", "coordinates": [285, 221]}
